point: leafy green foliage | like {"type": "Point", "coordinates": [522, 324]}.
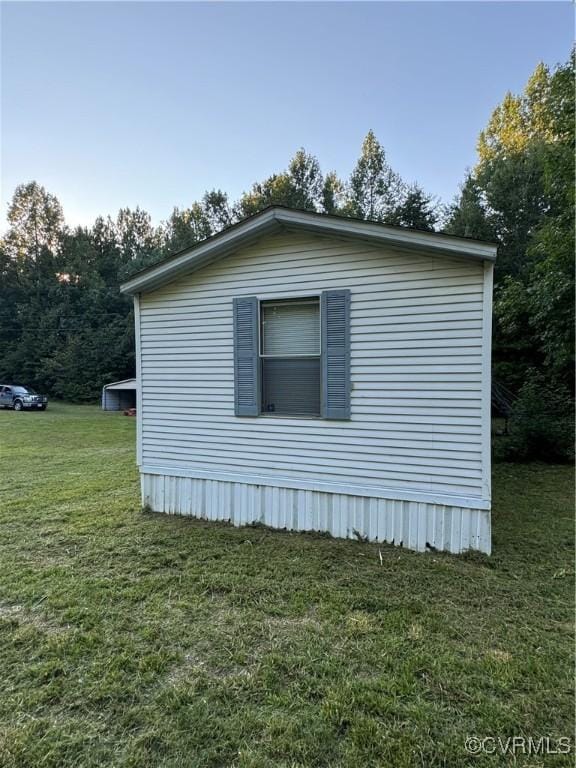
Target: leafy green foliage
{"type": "Point", "coordinates": [66, 329]}
{"type": "Point", "coordinates": [541, 424]}
{"type": "Point", "coordinates": [217, 210]}
{"type": "Point", "coordinates": [186, 227]}
{"type": "Point", "coordinates": [333, 194]}
{"type": "Point", "coordinates": [301, 186]}
{"type": "Point", "coordinates": [36, 220]}
{"type": "Point", "coordinates": [521, 194]}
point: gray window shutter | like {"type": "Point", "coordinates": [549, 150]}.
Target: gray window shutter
{"type": "Point", "coordinates": [335, 324]}
{"type": "Point", "coordinates": [246, 358]}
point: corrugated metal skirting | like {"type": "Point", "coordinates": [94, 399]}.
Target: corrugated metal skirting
{"type": "Point", "coordinates": [413, 524]}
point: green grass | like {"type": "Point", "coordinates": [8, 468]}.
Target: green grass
{"type": "Point", "coordinates": [131, 639]}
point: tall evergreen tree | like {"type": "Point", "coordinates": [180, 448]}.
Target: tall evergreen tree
{"type": "Point", "coordinates": [467, 216]}
{"type": "Point", "coordinates": [417, 210]}
{"type": "Point", "coordinates": [375, 191]}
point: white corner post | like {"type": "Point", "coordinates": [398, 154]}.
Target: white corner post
{"type": "Point", "coordinates": [487, 380]}
{"type": "Point", "coordinates": [138, 380]}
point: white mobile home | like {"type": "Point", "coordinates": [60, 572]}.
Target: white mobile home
{"type": "Point", "coordinates": [314, 372]}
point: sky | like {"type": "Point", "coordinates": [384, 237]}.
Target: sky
{"type": "Point", "coordinates": [112, 105]}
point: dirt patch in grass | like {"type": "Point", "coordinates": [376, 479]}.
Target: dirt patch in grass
{"type": "Point", "coordinates": [499, 655]}
{"type": "Point", "coordinates": [193, 667]}
{"type": "Point", "coordinates": [22, 617]}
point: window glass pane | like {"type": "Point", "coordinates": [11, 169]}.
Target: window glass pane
{"type": "Point", "coordinates": [291, 386]}
{"type": "Point", "coordinates": [291, 327]}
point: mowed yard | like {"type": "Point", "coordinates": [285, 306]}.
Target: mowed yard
{"type": "Point", "coordinates": [131, 639]}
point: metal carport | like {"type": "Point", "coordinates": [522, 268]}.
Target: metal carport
{"type": "Point", "coordinates": [119, 395]}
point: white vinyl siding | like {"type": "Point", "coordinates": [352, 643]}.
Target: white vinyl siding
{"type": "Point", "coordinates": [416, 369]}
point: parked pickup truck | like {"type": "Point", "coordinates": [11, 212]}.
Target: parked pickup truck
{"type": "Point", "coordinates": [18, 398]}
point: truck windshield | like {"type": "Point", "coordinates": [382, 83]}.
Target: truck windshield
{"type": "Point", "coordinates": [23, 391]}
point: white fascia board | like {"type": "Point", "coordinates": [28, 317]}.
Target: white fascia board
{"type": "Point", "coordinates": [365, 230]}
{"type": "Point", "coordinates": [202, 254]}
{"type": "Point", "coordinates": [276, 219]}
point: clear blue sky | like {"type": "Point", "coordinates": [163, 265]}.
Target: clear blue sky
{"type": "Point", "coordinates": [123, 104]}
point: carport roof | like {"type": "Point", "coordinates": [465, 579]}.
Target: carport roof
{"type": "Point", "coordinates": [124, 384]}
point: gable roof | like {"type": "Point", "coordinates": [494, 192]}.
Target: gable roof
{"type": "Point", "coordinates": [278, 218]}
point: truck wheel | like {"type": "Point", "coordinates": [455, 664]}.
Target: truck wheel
{"type": "Point", "coordinates": [17, 405]}
{"type": "Point", "coordinates": [42, 407]}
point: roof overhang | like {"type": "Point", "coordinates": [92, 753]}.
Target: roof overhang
{"type": "Point", "coordinates": [276, 219]}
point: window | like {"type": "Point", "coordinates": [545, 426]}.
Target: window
{"type": "Point", "coordinates": [290, 357]}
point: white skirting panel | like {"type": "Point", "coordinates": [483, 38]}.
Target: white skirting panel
{"type": "Point", "coordinates": [416, 525]}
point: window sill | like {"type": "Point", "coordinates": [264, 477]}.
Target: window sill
{"type": "Point", "coordinates": [287, 416]}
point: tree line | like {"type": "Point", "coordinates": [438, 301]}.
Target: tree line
{"type": "Point", "coordinates": [66, 329]}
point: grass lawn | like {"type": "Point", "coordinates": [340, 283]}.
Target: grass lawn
{"type": "Point", "coordinates": [131, 639]}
